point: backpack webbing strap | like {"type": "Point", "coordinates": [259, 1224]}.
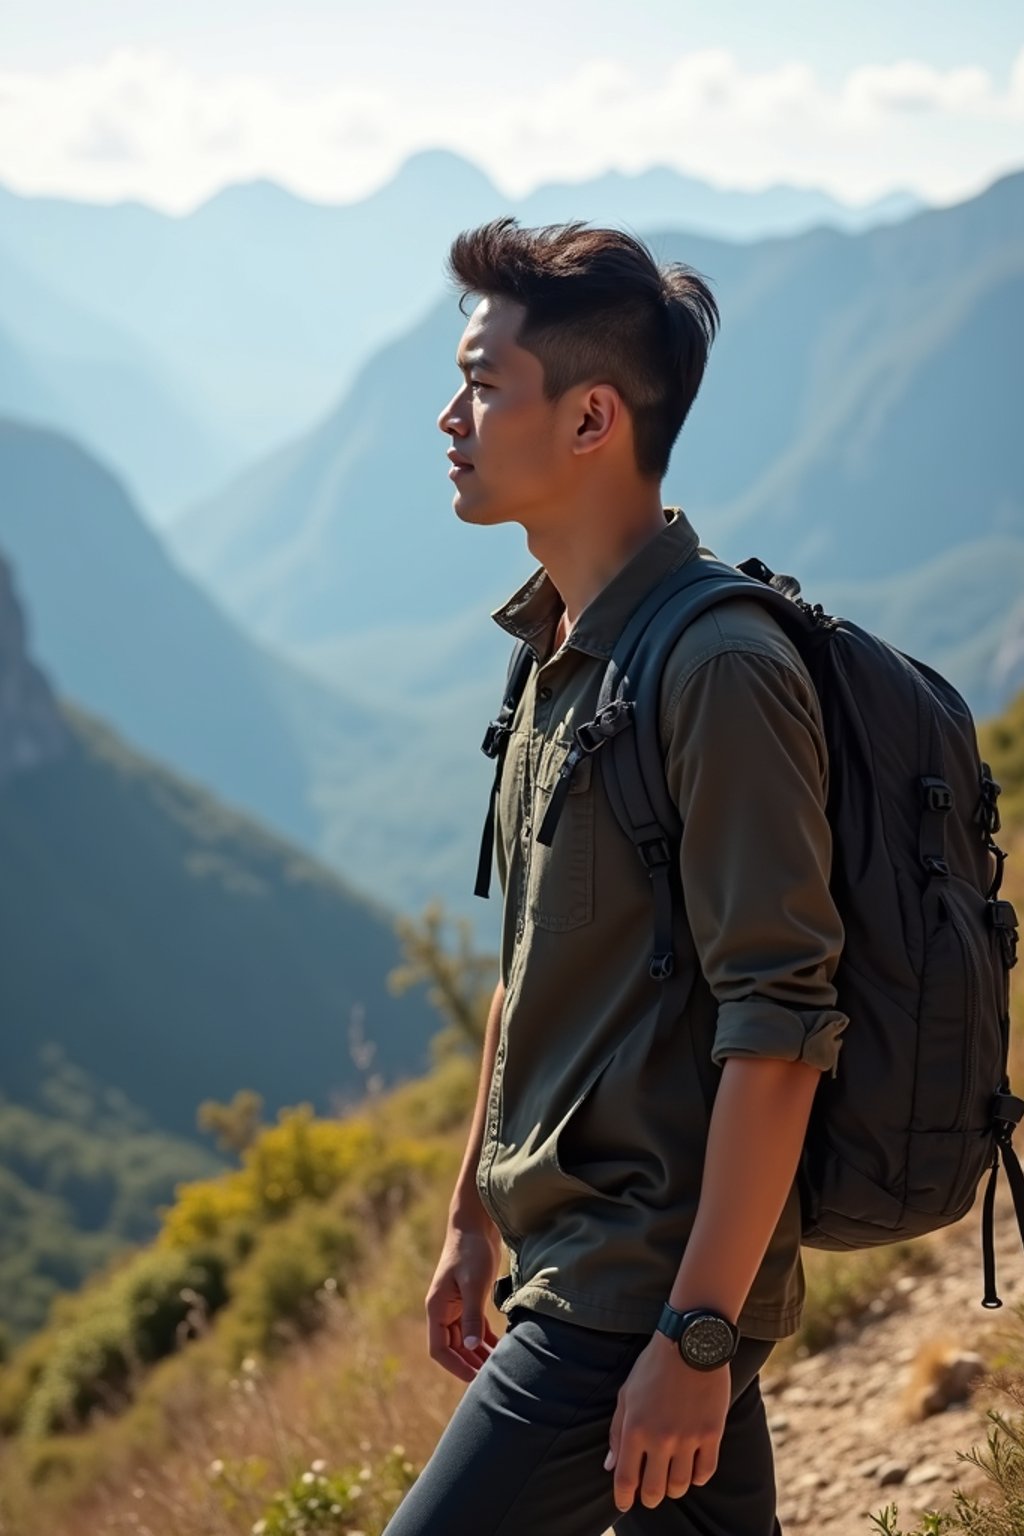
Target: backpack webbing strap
{"type": "Point", "coordinates": [634, 769]}
{"type": "Point", "coordinates": [495, 744]}
{"type": "Point", "coordinates": [614, 709]}
{"type": "Point", "coordinates": [1007, 1111]}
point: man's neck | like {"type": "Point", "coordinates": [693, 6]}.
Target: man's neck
{"type": "Point", "coordinates": [582, 558]}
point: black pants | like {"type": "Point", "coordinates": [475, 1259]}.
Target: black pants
{"type": "Point", "coordinates": [524, 1450]}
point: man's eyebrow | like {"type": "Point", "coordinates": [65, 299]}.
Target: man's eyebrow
{"type": "Point", "coordinates": [475, 360]}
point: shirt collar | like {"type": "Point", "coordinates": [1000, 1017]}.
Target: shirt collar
{"type": "Point", "coordinates": [534, 609]}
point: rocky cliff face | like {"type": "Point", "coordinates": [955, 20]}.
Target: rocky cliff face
{"type": "Point", "coordinates": [32, 730]}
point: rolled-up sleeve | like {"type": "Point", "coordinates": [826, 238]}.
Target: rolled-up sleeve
{"type": "Point", "coordinates": [747, 767]}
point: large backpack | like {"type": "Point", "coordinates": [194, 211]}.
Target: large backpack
{"type": "Point", "coordinates": [920, 1103]}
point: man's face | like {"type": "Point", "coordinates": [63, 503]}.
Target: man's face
{"type": "Point", "coordinates": [517, 442]}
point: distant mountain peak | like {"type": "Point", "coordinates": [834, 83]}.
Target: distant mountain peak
{"type": "Point", "coordinates": [442, 169]}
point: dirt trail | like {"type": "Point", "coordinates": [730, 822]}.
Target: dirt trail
{"type": "Point", "coordinates": [844, 1447]}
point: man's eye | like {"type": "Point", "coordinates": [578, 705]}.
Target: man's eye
{"type": "Point", "coordinates": [479, 384]}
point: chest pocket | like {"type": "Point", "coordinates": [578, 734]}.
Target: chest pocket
{"type": "Point", "coordinates": [561, 878]}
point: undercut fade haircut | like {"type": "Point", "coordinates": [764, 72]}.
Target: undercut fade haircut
{"type": "Point", "coordinates": [599, 309]}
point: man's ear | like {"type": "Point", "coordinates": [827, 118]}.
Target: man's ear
{"type": "Point", "coordinates": [599, 417]}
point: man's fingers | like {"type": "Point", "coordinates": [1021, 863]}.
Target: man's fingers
{"type": "Point", "coordinates": [627, 1469]}
{"type": "Point", "coordinates": [472, 1326]}
{"type": "Point", "coordinates": [474, 1357]}
{"type": "Point", "coordinates": [679, 1475]}
{"type": "Point", "coordinates": [655, 1475]}
{"type": "Point", "coordinates": [439, 1349]}
{"type": "Point", "coordinates": [614, 1431]}
{"type": "Point", "coordinates": [705, 1462]}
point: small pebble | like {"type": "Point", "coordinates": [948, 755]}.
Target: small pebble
{"type": "Point", "coordinates": [928, 1472]}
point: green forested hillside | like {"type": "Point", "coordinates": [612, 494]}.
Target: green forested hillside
{"type": "Point", "coordinates": [82, 1174]}
{"type": "Point", "coordinates": [177, 951]}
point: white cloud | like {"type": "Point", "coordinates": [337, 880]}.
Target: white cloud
{"type": "Point", "coordinates": [140, 124]}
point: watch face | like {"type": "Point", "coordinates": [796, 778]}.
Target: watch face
{"type": "Point", "coordinates": [707, 1342]}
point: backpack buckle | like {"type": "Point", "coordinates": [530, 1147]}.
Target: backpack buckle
{"type": "Point", "coordinates": [1006, 1110]}
{"type": "Point", "coordinates": [493, 738]}
{"type": "Point", "coordinates": [654, 853]}
{"type": "Point", "coordinates": [607, 723]}
{"type": "Point", "coordinates": [936, 795]}
{"type": "Point", "coordinates": [1003, 917]}
{"type": "Point", "coordinates": [988, 811]}
{"type": "Point", "coordinates": [936, 866]}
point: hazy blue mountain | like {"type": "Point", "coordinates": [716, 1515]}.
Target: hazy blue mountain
{"type": "Point", "coordinates": [22, 386]}
{"type": "Point", "coordinates": [98, 382]}
{"type": "Point", "coordinates": [119, 627]}
{"type": "Point", "coordinates": [248, 316]}
{"type": "Point", "coordinates": [961, 612]}
{"type": "Point", "coordinates": [642, 199]}
{"type": "Point", "coordinates": [868, 404]}
{"type": "Point", "coordinates": [857, 420]}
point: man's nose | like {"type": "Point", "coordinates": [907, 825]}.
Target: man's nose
{"type": "Point", "coordinates": [449, 420]}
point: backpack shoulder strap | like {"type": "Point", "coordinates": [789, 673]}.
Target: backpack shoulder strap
{"type": "Point", "coordinates": [494, 745]}
{"type": "Point", "coordinates": [633, 770]}
{"type": "Point", "coordinates": [639, 671]}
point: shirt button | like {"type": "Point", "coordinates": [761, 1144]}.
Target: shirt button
{"type": "Point", "coordinates": [544, 693]}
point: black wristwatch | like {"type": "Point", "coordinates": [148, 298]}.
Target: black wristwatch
{"type": "Point", "coordinates": [706, 1339]}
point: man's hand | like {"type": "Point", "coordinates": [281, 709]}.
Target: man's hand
{"type": "Point", "coordinates": [667, 1425]}
{"type": "Point", "coordinates": [462, 1281]}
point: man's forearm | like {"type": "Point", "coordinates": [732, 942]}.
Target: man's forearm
{"type": "Point", "coordinates": [465, 1202]}
{"type": "Point", "coordinates": [756, 1134]}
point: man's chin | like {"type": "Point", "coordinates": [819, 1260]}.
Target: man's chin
{"type": "Point", "coordinates": [475, 509]}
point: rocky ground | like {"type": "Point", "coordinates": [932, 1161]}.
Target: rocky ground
{"type": "Point", "coordinates": [847, 1423]}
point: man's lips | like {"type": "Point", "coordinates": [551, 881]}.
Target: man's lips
{"type": "Point", "coordinates": [460, 466]}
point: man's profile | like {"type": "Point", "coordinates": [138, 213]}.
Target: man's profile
{"type": "Point", "coordinates": [634, 1149]}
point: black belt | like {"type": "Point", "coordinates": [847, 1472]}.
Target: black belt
{"type": "Point", "coordinates": [502, 1290]}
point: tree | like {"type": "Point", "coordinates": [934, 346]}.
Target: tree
{"type": "Point", "coordinates": [235, 1125]}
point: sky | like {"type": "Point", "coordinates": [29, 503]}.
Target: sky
{"type": "Point", "coordinates": [168, 103]}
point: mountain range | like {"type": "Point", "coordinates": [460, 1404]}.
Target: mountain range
{"type": "Point", "coordinates": [312, 644]}
{"type": "Point", "coordinates": [857, 425]}
{"type": "Point", "coordinates": [217, 334]}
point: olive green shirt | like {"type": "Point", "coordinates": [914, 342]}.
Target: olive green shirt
{"type": "Point", "coordinates": [597, 1117]}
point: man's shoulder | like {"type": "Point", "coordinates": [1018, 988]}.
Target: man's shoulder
{"type": "Point", "coordinates": [737, 626]}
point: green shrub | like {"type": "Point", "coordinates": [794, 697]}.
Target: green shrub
{"type": "Point", "coordinates": [359, 1499]}
{"type": "Point", "coordinates": [1002, 1461]}
{"type": "Point", "coordinates": [141, 1313]}
{"type": "Point", "coordinates": [302, 1158]}
{"type": "Point", "coordinates": [280, 1291]}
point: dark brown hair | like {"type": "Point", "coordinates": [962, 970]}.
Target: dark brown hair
{"type": "Point", "coordinates": [598, 306]}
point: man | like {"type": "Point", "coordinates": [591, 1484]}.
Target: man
{"type": "Point", "coordinates": [625, 1162]}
